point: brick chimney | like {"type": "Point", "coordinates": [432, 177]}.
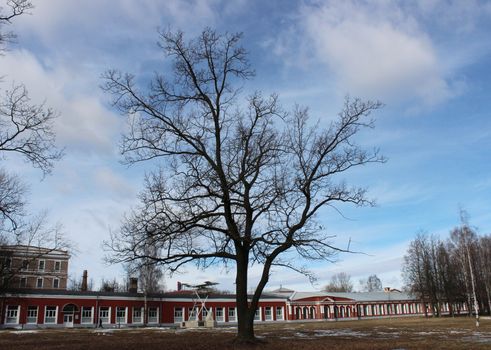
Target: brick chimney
{"type": "Point", "coordinates": [133, 285]}
{"type": "Point", "coordinates": [83, 287]}
{"type": "Point", "coordinates": [179, 286]}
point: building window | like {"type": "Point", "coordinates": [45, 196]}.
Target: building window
{"type": "Point", "coordinates": [57, 265]}
{"type": "Point", "coordinates": [153, 315]}
{"type": "Point", "coordinates": [56, 283]}
{"type": "Point", "coordinates": [87, 315]}
{"type": "Point", "coordinates": [137, 315]}
{"type": "Point", "coordinates": [41, 265]}
{"type": "Point", "coordinates": [120, 315]}
{"type": "Point", "coordinates": [12, 316]}
{"type": "Point", "coordinates": [192, 313]}
{"type": "Point", "coordinates": [219, 316]}
{"type": "Point", "coordinates": [39, 283]}
{"type": "Point", "coordinates": [104, 314]}
{"type": "Point", "coordinates": [231, 314]}
{"type": "Point", "coordinates": [178, 315]}
{"type": "Point", "coordinates": [8, 263]}
{"type": "Point", "coordinates": [50, 314]}
{"type": "Point", "coordinates": [257, 314]}
{"type": "Point", "coordinates": [268, 313]}
{"type": "Point", "coordinates": [279, 313]}
{"type": "Point", "coordinates": [32, 314]}
{"type": "Point", "coordinates": [23, 282]}
{"type": "Point", "coordinates": [205, 312]}
{"type": "Point", "coordinates": [25, 264]}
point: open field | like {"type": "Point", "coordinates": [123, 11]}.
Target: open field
{"type": "Point", "coordinates": [399, 333]}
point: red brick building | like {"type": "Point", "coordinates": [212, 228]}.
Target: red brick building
{"type": "Point", "coordinates": [37, 298]}
{"type": "Point", "coordinates": [49, 308]}
{"type": "Point", "coordinates": [28, 267]}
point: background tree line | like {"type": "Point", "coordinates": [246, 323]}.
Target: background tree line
{"type": "Point", "coordinates": [455, 269]}
{"type": "Point", "coordinates": [341, 282]}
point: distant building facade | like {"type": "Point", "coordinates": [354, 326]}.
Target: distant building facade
{"type": "Point", "coordinates": [38, 298]}
{"type": "Point", "coordinates": [27, 267]}
{"type": "Point", "coordinates": [49, 308]}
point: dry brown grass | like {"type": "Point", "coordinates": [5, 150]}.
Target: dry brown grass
{"type": "Point", "coordinates": [398, 333]}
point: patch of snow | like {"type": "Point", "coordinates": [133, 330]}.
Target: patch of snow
{"type": "Point", "coordinates": [24, 331]}
{"type": "Point", "coordinates": [339, 333]}
{"type": "Point", "coordinates": [478, 337]}
{"type": "Point", "coordinates": [388, 334]}
{"type": "Point", "coordinates": [427, 333]}
{"type": "Point", "coordinates": [300, 335]}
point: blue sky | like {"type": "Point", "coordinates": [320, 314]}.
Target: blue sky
{"type": "Point", "coordinates": [429, 62]}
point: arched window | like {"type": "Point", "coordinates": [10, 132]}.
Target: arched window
{"type": "Point", "coordinates": [70, 308]}
{"type": "Point", "coordinates": [327, 311]}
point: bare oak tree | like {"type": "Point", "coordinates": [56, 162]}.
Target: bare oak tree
{"type": "Point", "coordinates": [240, 181]}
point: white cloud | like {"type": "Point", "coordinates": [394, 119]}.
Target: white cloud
{"type": "Point", "coordinates": [83, 122]}
{"type": "Point", "coordinates": [387, 194]}
{"type": "Point", "coordinates": [110, 181]}
{"type": "Point", "coordinates": [376, 51]}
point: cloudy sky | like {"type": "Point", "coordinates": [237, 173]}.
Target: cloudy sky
{"type": "Point", "coordinates": [428, 61]}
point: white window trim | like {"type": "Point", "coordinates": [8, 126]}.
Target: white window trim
{"type": "Point", "coordinates": [37, 315]}
{"type": "Point", "coordinates": [44, 265]}
{"type": "Point", "coordinates": [142, 313]}
{"type": "Point", "coordinates": [158, 314]}
{"type": "Point", "coordinates": [282, 316]}
{"type": "Point", "coordinates": [260, 314]}
{"type": "Point", "coordinates": [17, 317]}
{"type": "Point", "coordinates": [222, 318]}
{"type": "Point", "coordinates": [234, 319]}
{"type": "Point", "coordinates": [271, 310]}
{"type": "Point", "coordinates": [56, 315]}
{"type": "Point", "coordinates": [54, 266]}
{"type": "Point", "coordinates": [125, 315]}
{"type": "Point", "coordinates": [108, 314]}
{"type": "Point", "coordinates": [37, 282]}
{"type": "Point", "coordinates": [91, 315]}
{"type": "Point", "coordinates": [176, 319]}
{"type": "Point", "coordinates": [56, 279]}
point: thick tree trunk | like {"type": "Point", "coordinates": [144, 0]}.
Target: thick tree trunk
{"type": "Point", "coordinates": [245, 330]}
{"type": "Point", "coordinates": [245, 315]}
